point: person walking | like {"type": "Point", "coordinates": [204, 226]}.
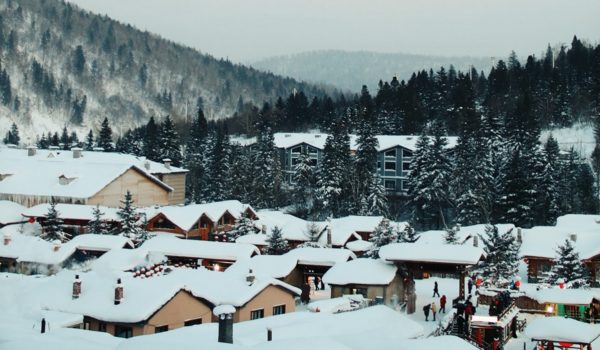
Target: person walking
{"type": "Point", "coordinates": [433, 309]}
{"type": "Point", "coordinates": [426, 311]}
{"type": "Point", "coordinates": [435, 289]}
{"type": "Point", "coordinates": [443, 303]}
{"type": "Point", "coordinates": [470, 285]}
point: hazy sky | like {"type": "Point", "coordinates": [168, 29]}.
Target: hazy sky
{"type": "Point", "coordinates": [246, 30]}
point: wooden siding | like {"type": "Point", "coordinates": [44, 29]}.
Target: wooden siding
{"type": "Point", "coordinates": [145, 192]}
{"type": "Point", "coordinates": [177, 182]}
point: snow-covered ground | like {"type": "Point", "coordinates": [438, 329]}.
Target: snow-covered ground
{"type": "Point", "coordinates": [579, 136]}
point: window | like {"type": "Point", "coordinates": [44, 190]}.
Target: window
{"type": "Point", "coordinates": [405, 185]}
{"type": "Point", "coordinates": [571, 311]}
{"type": "Point", "coordinates": [295, 161]}
{"type": "Point", "coordinates": [192, 322]}
{"type": "Point", "coordinates": [123, 332]}
{"type": "Point", "coordinates": [102, 326]}
{"type": "Point", "coordinates": [312, 152]}
{"type": "Point", "coordinates": [405, 166]}
{"type": "Point", "coordinates": [256, 314]}
{"type": "Point", "coordinates": [297, 149]}
{"type": "Point", "coordinates": [378, 165]}
{"type": "Point", "coordinates": [390, 185]}
{"type": "Point", "coordinates": [390, 166]}
{"type": "Point", "coordinates": [407, 154]}
{"type": "Point", "coordinates": [390, 154]}
{"type": "Point", "coordinates": [160, 329]}
{"type": "Point", "coordinates": [278, 310]}
{"type": "Point", "coordinates": [361, 291]}
{"type": "Point", "coordinates": [312, 162]}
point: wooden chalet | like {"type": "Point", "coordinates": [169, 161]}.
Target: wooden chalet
{"type": "Point", "coordinates": [552, 333]}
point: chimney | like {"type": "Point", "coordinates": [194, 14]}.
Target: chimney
{"type": "Point", "coordinates": [76, 152]}
{"type": "Point", "coordinates": [458, 226]}
{"type": "Point", "coordinates": [31, 151]}
{"type": "Point", "coordinates": [475, 241]}
{"type": "Point", "coordinates": [263, 229]}
{"type": "Point", "coordinates": [269, 334]}
{"type": "Point", "coordinates": [519, 235]}
{"type": "Point", "coordinates": [328, 236]}
{"type": "Point", "coordinates": [573, 237]}
{"type": "Point", "coordinates": [76, 287]}
{"type": "Point", "coordinates": [167, 163]}
{"type": "Point", "coordinates": [147, 164]}
{"type": "Point", "coordinates": [118, 292]}
{"type": "Point", "coordinates": [225, 315]}
{"type": "Point", "coordinates": [56, 246]}
{"type": "Point", "coordinates": [7, 238]}
{"type": "Point", "coordinates": [250, 278]}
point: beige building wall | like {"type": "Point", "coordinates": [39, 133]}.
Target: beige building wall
{"type": "Point", "coordinates": [145, 191]}
{"type": "Point", "coordinates": [183, 307]}
{"type": "Point", "coordinates": [269, 297]}
{"type": "Point", "coordinates": [177, 182]}
{"type": "Point", "coordinates": [373, 291]}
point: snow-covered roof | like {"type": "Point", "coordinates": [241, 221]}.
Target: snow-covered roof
{"type": "Point", "coordinates": [463, 233]}
{"type": "Point", "coordinates": [185, 217]}
{"type": "Point", "coordinates": [564, 296]}
{"type": "Point", "coordinates": [72, 211]}
{"type": "Point", "coordinates": [10, 212]}
{"type": "Point", "coordinates": [543, 241]}
{"type": "Point", "coordinates": [579, 221]}
{"type": "Point", "coordinates": [433, 253]}
{"type": "Point", "coordinates": [560, 329]}
{"type": "Point", "coordinates": [342, 229]}
{"type": "Point", "coordinates": [292, 227]}
{"type": "Point", "coordinates": [173, 246]}
{"type": "Point", "coordinates": [344, 303]}
{"type": "Point", "coordinates": [143, 297]}
{"type": "Point", "coordinates": [275, 266]}
{"type": "Point", "coordinates": [320, 256]}
{"type": "Point", "coordinates": [287, 140]}
{"type": "Point", "coordinates": [26, 248]}
{"type": "Point", "coordinates": [257, 239]}
{"type": "Point", "coordinates": [361, 271]}
{"type": "Point", "coordinates": [359, 245]}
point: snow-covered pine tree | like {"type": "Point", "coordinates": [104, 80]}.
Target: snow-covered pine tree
{"type": "Point", "coordinates": [501, 264]}
{"type": "Point", "coordinates": [304, 185]}
{"type": "Point", "coordinates": [451, 236]}
{"type": "Point", "coordinates": [89, 141]}
{"type": "Point", "coordinates": [384, 234]}
{"type": "Point", "coordinates": [243, 226]}
{"type": "Point", "coordinates": [12, 136]}
{"type": "Point", "coordinates": [53, 226]}
{"type": "Point", "coordinates": [277, 244]}
{"type": "Point", "coordinates": [104, 139]}
{"type": "Point", "coordinates": [131, 227]}
{"type": "Point", "coordinates": [430, 179]}
{"type": "Point", "coordinates": [266, 184]}
{"type": "Point", "coordinates": [365, 164]}
{"type": "Point", "coordinates": [568, 267]}
{"type": "Point", "coordinates": [218, 183]}
{"type": "Point", "coordinates": [408, 234]}
{"type": "Point", "coordinates": [168, 142]}
{"type": "Point", "coordinates": [151, 148]}
{"type": "Point", "coordinates": [194, 155]}
{"type": "Point", "coordinates": [377, 201]}
{"type": "Point", "coordinates": [312, 233]}
{"type": "Point", "coordinates": [239, 173]}
{"type": "Point", "coordinates": [97, 225]}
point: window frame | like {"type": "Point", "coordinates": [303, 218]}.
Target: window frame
{"type": "Point", "coordinates": [257, 312]}
{"type": "Point", "coordinates": [277, 308]}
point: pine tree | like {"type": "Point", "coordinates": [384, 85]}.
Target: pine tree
{"type": "Point", "coordinates": [365, 163]}
{"type": "Point", "coordinates": [239, 173]}
{"type": "Point", "coordinates": [243, 226]}
{"type": "Point", "coordinates": [130, 221]}
{"type": "Point", "coordinates": [97, 225]}
{"type": "Point", "coordinates": [151, 149]}
{"type": "Point", "coordinates": [53, 226]}
{"type": "Point", "coordinates": [277, 244]}
{"type": "Point", "coordinates": [78, 60]}
{"type": "Point", "coordinates": [384, 234]}
{"type": "Point", "coordinates": [568, 267]}
{"type": "Point", "coordinates": [89, 141]}
{"type": "Point", "coordinates": [267, 179]}
{"type": "Point", "coordinates": [313, 234]}
{"type": "Point", "coordinates": [168, 142]}
{"type": "Point", "coordinates": [104, 139]}
{"type": "Point", "coordinates": [304, 185]}
{"type": "Point", "coordinates": [409, 234]}
{"type": "Point", "coordinates": [377, 202]}
{"type": "Point", "coordinates": [218, 184]}
{"type": "Point", "coordinates": [12, 136]}
{"type": "Point", "coordinates": [502, 257]}
{"type": "Point", "coordinates": [194, 158]}
{"type": "Point", "coordinates": [451, 236]}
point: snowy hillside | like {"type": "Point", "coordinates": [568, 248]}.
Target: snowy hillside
{"type": "Point", "coordinates": [350, 70]}
{"type": "Point", "coordinates": [61, 66]}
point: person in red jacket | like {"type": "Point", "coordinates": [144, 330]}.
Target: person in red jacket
{"type": "Point", "coordinates": [443, 303]}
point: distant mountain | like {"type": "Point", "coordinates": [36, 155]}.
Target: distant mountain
{"type": "Point", "coordinates": [63, 66]}
{"type": "Point", "coordinates": [350, 70]}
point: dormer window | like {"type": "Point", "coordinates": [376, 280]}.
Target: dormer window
{"type": "Point", "coordinates": [65, 179]}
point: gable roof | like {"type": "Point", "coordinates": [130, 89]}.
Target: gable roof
{"type": "Point", "coordinates": [10, 212]}
{"type": "Point", "coordinates": [320, 256]}
{"type": "Point", "coordinates": [72, 211]}
{"type": "Point", "coordinates": [432, 253]}
{"type": "Point", "coordinates": [361, 271]}
{"type": "Point", "coordinates": [186, 216]}
{"type": "Point", "coordinates": [175, 247]}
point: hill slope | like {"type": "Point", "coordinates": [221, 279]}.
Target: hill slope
{"type": "Point", "coordinates": [66, 66]}
{"type": "Point", "coordinates": [350, 70]}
